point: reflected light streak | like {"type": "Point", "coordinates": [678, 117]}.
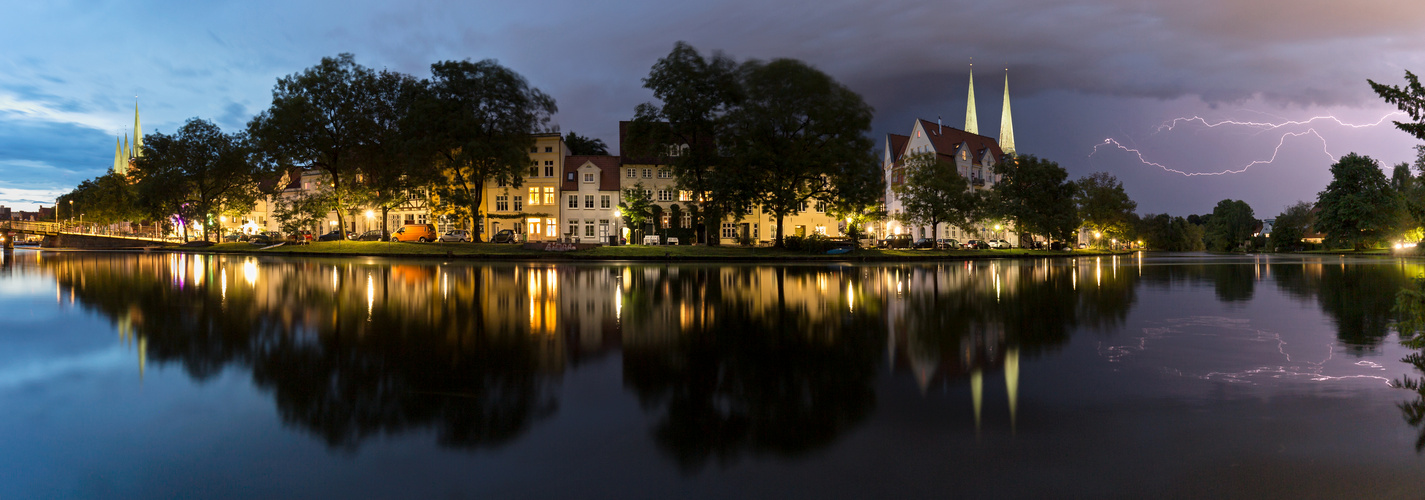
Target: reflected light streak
{"type": "Point", "coordinates": [249, 271]}
{"type": "Point", "coordinates": [370, 295]}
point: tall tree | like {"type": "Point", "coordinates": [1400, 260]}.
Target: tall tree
{"type": "Point", "coordinates": [389, 157]}
{"type": "Point", "coordinates": [1291, 226]}
{"type": "Point", "coordinates": [478, 119]}
{"type": "Point", "coordinates": [1410, 99]}
{"type": "Point", "coordinates": [696, 93]}
{"type": "Point", "coordinates": [1232, 223]}
{"type": "Point", "coordinates": [1103, 204]}
{"type": "Point", "coordinates": [320, 119]}
{"type": "Point", "coordinates": [934, 193]}
{"type": "Point", "coordinates": [636, 207]}
{"type": "Point", "coordinates": [1037, 195]}
{"type": "Point", "coordinates": [580, 145]}
{"type": "Point", "coordinates": [798, 135]}
{"type": "Point", "coordinates": [1358, 207]}
{"type": "Point", "coordinates": [196, 173]}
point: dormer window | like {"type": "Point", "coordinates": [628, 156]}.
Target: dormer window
{"type": "Point", "coordinates": [588, 177]}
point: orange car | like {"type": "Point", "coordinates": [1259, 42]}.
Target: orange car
{"type": "Point", "coordinates": [424, 233]}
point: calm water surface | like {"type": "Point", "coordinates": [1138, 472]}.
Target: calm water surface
{"type": "Point", "coordinates": [162, 376]}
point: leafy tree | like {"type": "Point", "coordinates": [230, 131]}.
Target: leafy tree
{"type": "Point", "coordinates": [636, 205]}
{"type": "Point", "coordinates": [798, 135]}
{"type": "Point", "coordinates": [1036, 194]}
{"type": "Point", "coordinates": [696, 93]}
{"type": "Point", "coordinates": [477, 120]}
{"type": "Point", "coordinates": [388, 158]}
{"type": "Point", "coordinates": [306, 210]}
{"type": "Point", "coordinates": [196, 173]}
{"type": "Point", "coordinates": [321, 119]}
{"type": "Point", "coordinates": [1410, 99]}
{"type": "Point", "coordinates": [1291, 226]}
{"type": "Point", "coordinates": [1232, 224]}
{"type": "Point", "coordinates": [1358, 207]}
{"type": "Point", "coordinates": [581, 145]}
{"type": "Point", "coordinates": [935, 193]}
{"type": "Point", "coordinates": [1104, 206]}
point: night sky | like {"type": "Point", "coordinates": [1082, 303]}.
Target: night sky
{"type": "Point", "coordinates": [1081, 73]}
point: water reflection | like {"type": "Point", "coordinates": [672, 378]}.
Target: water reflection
{"type": "Point", "coordinates": [728, 361]}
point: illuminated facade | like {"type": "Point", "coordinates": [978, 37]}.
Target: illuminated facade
{"type": "Point", "coordinates": [973, 155]}
{"type": "Point", "coordinates": [532, 209]}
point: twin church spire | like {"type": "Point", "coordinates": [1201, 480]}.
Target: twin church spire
{"type": "Point", "coordinates": [123, 152]}
{"type": "Point", "coordinates": [1006, 125]}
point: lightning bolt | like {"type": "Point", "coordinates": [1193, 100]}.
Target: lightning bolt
{"type": "Point", "coordinates": [1169, 125]}
{"type": "Point", "coordinates": [1139, 154]}
{"type": "Point", "coordinates": [1263, 126]}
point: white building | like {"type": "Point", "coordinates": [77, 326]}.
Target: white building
{"type": "Point", "coordinates": [590, 194]}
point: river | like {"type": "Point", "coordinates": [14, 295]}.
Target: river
{"type": "Point", "coordinates": [181, 375]}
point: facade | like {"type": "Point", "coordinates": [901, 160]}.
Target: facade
{"type": "Point", "coordinates": [590, 191]}
{"type": "Point", "coordinates": [532, 210]}
{"type": "Point", "coordinates": [974, 156]}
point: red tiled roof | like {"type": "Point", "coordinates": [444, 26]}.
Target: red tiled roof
{"type": "Point", "coordinates": [947, 139]}
{"type": "Point", "coordinates": [608, 171]}
{"type": "Point", "coordinates": [896, 143]}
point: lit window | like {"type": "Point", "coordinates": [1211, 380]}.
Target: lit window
{"type": "Point", "coordinates": [549, 196]}
{"type": "Point", "coordinates": [685, 195]}
{"type": "Point", "coordinates": [533, 196]}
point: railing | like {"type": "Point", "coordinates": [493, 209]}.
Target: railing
{"type": "Point", "coordinates": [31, 227]}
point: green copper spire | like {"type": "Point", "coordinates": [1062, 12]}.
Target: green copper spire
{"type": "Point", "coordinates": [120, 165]}
{"type": "Point", "coordinates": [1006, 124]}
{"type": "Point", "coordinates": [972, 122]}
{"type": "Point", "coordinates": [138, 131]}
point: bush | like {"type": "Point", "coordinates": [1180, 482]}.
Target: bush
{"type": "Point", "coordinates": [816, 243]}
{"type": "Point", "coordinates": [793, 243]}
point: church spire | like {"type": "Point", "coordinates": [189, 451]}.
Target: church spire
{"type": "Point", "coordinates": [1006, 124]}
{"type": "Point", "coordinates": [138, 131]}
{"type": "Point", "coordinates": [128, 153]}
{"type": "Point", "coordinates": [120, 163]}
{"type": "Point", "coordinates": [972, 122]}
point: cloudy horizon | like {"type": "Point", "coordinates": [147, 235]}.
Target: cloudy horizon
{"type": "Point", "coordinates": [1081, 73]}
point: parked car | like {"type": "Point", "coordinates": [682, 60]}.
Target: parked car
{"type": "Point", "coordinates": [332, 236]}
{"type": "Point", "coordinates": [267, 238]}
{"type": "Point", "coordinates": [1083, 245]}
{"type": "Point", "coordinates": [999, 244]}
{"type": "Point", "coordinates": [896, 241]}
{"type": "Point", "coordinates": [424, 233]}
{"type": "Point", "coordinates": [456, 235]}
{"type": "Point", "coordinates": [504, 236]}
{"type": "Point", "coordinates": [923, 243]}
{"type": "Point", "coordinates": [372, 235]}
{"type": "Point", "coordinates": [976, 245]}
{"type": "Point", "coordinates": [947, 244]}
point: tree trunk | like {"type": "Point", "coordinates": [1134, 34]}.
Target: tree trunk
{"type": "Point", "coordinates": [779, 243]}
{"type": "Point", "coordinates": [385, 215]}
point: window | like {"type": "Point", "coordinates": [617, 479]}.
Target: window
{"type": "Point", "coordinates": [500, 182]}
{"type": "Point", "coordinates": [533, 196]}
{"type": "Point", "coordinates": [588, 201]}
{"type": "Point", "coordinates": [519, 203]}
{"type": "Point", "coordinates": [569, 176]}
{"type": "Point", "coordinates": [573, 201]}
{"type": "Point", "coordinates": [604, 227]}
{"type": "Point", "coordinates": [573, 227]}
{"type": "Point", "coordinates": [502, 203]}
{"type": "Point", "coordinates": [647, 173]}
{"type": "Point", "coordinates": [548, 171]}
{"type": "Point", "coordinates": [685, 195]}
{"type": "Point", "coordinates": [550, 226]}
{"type": "Point", "coordinates": [687, 220]}
{"type": "Point", "coordinates": [534, 149]}
{"type": "Point", "coordinates": [664, 173]}
{"type": "Point", "coordinates": [729, 230]}
{"type": "Point", "coordinates": [604, 201]}
{"type": "Point", "coordinates": [549, 196]}
{"type": "Point", "coordinates": [534, 171]}
{"type": "Point", "coordinates": [665, 195]}
{"type": "Point", "coordinates": [802, 207]}
{"type": "Point", "coordinates": [589, 228]}
{"type": "Point", "coordinates": [588, 177]}
{"type": "Point", "coordinates": [821, 230]}
{"type": "Point", "coordinates": [648, 193]}
{"type": "Point", "coordinates": [549, 149]}
{"type": "Point", "coordinates": [632, 173]}
{"type": "Point", "coordinates": [821, 206]}
{"type": "Point", "coordinates": [663, 222]}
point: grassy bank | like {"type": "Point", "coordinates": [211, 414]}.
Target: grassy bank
{"type": "Point", "coordinates": [627, 252]}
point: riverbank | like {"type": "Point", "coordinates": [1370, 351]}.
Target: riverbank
{"type": "Point", "coordinates": [692, 253]}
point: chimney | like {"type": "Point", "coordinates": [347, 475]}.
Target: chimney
{"type": "Point", "coordinates": [939, 129]}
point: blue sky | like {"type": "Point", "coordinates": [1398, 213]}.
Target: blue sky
{"type": "Point", "coordinates": [1081, 72]}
